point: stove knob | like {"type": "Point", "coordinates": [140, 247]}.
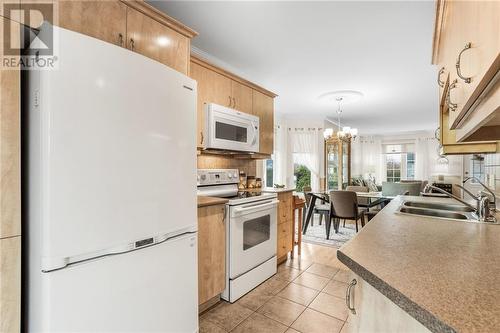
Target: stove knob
{"type": "Point", "coordinates": [203, 178]}
{"type": "Point", "coordinates": [235, 175]}
{"type": "Point", "coordinates": [229, 176]}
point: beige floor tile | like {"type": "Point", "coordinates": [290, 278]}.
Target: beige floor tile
{"type": "Point", "coordinates": [342, 276]}
{"type": "Point", "coordinates": [291, 330]}
{"type": "Point", "coordinates": [311, 280]}
{"type": "Point", "coordinates": [287, 273]}
{"type": "Point", "coordinates": [282, 310]}
{"type": "Point", "coordinates": [298, 294]}
{"type": "Point", "coordinates": [311, 321]}
{"type": "Point", "coordinates": [227, 315]}
{"type": "Point", "coordinates": [258, 323]}
{"type": "Point", "coordinates": [347, 328]}
{"type": "Point", "coordinates": [330, 305]}
{"type": "Point", "coordinates": [299, 263]}
{"type": "Point", "coordinates": [335, 288]}
{"type": "Point", "coordinates": [322, 270]}
{"type": "Point", "coordinates": [272, 286]}
{"type": "Point", "coordinates": [207, 326]}
{"type": "Point", "coordinates": [254, 300]}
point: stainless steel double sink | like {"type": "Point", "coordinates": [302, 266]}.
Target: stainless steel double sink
{"type": "Point", "coordinates": [438, 210]}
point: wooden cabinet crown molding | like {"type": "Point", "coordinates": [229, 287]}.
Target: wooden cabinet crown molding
{"type": "Point", "coordinates": [197, 60]}
{"type": "Point", "coordinates": [161, 17]}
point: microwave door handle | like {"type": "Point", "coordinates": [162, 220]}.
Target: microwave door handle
{"type": "Point", "coordinates": [254, 133]}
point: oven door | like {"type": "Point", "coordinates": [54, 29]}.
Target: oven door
{"type": "Point", "coordinates": [252, 235]}
{"type": "Point", "coordinates": [229, 129]}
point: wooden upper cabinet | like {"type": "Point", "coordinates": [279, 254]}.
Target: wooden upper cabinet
{"type": "Point", "coordinates": [212, 88]}
{"type": "Point", "coordinates": [242, 97]}
{"type": "Point", "coordinates": [147, 36]}
{"type": "Point", "coordinates": [263, 107]}
{"type": "Point", "coordinates": [105, 20]}
{"type": "Point", "coordinates": [468, 30]}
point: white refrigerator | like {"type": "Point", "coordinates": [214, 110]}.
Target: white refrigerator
{"type": "Point", "coordinates": [110, 211]}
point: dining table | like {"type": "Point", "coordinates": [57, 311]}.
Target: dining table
{"type": "Point", "coordinates": [374, 199]}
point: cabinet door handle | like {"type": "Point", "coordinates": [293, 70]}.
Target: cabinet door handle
{"type": "Point", "coordinates": [230, 101]}
{"type": "Point", "coordinates": [132, 44]}
{"type": "Point", "coordinates": [441, 72]}
{"type": "Point", "coordinates": [452, 106]}
{"type": "Point", "coordinates": [234, 102]}
{"type": "Point", "coordinates": [202, 138]}
{"type": "Point", "coordinates": [459, 72]}
{"type": "Point", "coordinates": [120, 39]}
{"type": "Point", "coordinates": [348, 296]}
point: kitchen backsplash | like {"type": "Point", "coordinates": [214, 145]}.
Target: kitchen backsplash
{"type": "Point", "coordinates": [249, 166]}
{"type": "Point", "coordinates": [492, 171]}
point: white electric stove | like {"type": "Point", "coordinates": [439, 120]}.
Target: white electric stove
{"type": "Point", "coordinates": [251, 230]}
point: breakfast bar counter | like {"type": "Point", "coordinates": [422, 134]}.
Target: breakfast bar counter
{"type": "Point", "coordinates": [444, 273]}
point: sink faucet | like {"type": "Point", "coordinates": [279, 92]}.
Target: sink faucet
{"type": "Point", "coordinates": [482, 209]}
{"type": "Point", "coordinates": [493, 204]}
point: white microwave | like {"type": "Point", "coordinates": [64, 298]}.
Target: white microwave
{"type": "Point", "coordinates": [229, 129]}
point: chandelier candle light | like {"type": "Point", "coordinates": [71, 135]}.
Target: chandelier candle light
{"type": "Point", "coordinates": [346, 132]}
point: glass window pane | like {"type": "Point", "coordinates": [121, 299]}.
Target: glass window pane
{"type": "Point", "coordinates": [256, 231]}
{"type": "Point", "coordinates": [269, 172]}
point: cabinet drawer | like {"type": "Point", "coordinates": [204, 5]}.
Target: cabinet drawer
{"type": "Point", "coordinates": [285, 207]}
{"type": "Point", "coordinates": [284, 238]}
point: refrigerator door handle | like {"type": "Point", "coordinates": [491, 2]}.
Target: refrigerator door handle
{"type": "Point", "coordinates": [50, 264]}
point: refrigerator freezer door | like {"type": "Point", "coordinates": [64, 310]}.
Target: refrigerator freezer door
{"type": "Point", "coordinates": [149, 290]}
{"type": "Point", "coordinates": [111, 148]}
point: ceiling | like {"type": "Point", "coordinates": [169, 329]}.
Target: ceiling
{"type": "Point", "coordinates": [301, 50]}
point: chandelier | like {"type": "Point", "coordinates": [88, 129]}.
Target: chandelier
{"type": "Point", "coordinates": [343, 133]}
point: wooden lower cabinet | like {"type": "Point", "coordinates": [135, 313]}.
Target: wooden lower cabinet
{"type": "Point", "coordinates": [10, 284]}
{"type": "Point", "coordinates": [211, 252]}
{"type": "Point", "coordinates": [377, 313]}
{"type": "Point", "coordinates": [285, 225]}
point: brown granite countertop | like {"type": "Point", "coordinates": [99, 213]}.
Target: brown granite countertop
{"type": "Point", "coordinates": [210, 201]}
{"type": "Point", "coordinates": [444, 273]}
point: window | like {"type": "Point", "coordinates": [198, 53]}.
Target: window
{"type": "Point", "coordinates": [393, 167]}
{"type": "Point", "coordinates": [410, 165]}
{"type": "Point", "coordinates": [302, 177]}
{"type": "Point", "coordinates": [269, 173]}
{"type": "Point", "coordinates": [477, 167]}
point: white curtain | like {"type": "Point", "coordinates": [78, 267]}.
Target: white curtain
{"type": "Point", "coordinates": [280, 154]}
{"type": "Point", "coordinates": [367, 158]}
{"type": "Point", "coordinates": [305, 151]}
{"type": "Point", "coordinates": [426, 158]}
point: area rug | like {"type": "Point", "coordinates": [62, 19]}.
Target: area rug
{"type": "Point", "coordinates": [316, 235]}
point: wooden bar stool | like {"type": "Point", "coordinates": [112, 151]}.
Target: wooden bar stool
{"type": "Point", "coordinates": [298, 205]}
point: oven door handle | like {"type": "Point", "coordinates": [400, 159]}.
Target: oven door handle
{"type": "Point", "coordinates": [240, 210]}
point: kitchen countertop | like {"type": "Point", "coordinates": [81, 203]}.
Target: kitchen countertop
{"type": "Point", "coordinates": [277, 190]}
{"type": "Point", "coordinates": [443, 273]}
{"type": "Point", "coordinates": [210, 201]}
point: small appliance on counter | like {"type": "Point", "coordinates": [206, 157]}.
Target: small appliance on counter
{"type": "Point", "coordinates": [251, 231]}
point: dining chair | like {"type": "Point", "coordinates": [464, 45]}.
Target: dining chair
{"type": "Point", "coordinates": [321, 209]}
{"type": "Point", "coordinates": [362, 202]}
{"type": "Point", "coordinates": [344, 205]}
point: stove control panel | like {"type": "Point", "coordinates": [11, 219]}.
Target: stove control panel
{"type": "Point", "coordinates": [217, 176]}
